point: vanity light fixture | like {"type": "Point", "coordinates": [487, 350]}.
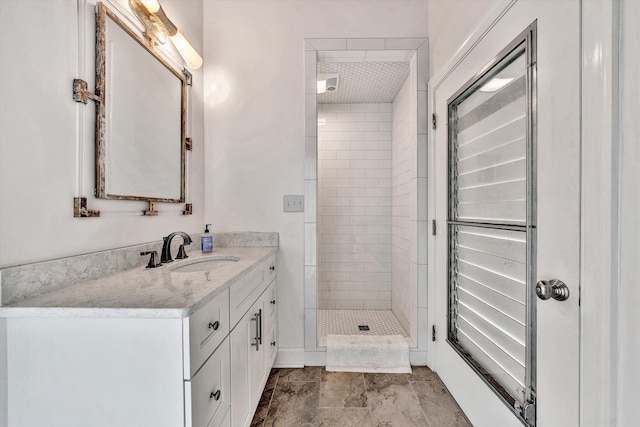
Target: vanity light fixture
{"type": "Point", "coordinates": [159, 27]}
{"type": "Point", "coordinates": [495, 84]}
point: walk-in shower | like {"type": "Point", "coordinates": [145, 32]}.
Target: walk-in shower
{"type": "Point", "coordinates": [367, 140]}
{"type": "Point", "coordinates": [365, 191]}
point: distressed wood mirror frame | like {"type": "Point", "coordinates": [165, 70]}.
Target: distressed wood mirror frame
{"type": "Point", "coordinates": [104, 129]}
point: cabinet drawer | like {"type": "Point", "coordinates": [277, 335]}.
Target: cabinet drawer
{"type": "Point", "coordinates": [244, 293]}
{"type": "Point", "coordinates": [271, 268]}
{"type": "Point", "coordinates": [226, 420]}
{"type": "Point", "coordinates": [204, 331]}
{"type": "Point", "coordinates": [207, 395]}
{"type": "Point", "coordinates": [270, 306]}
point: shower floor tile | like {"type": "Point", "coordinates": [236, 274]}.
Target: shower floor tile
{"type": "Point", "coordinates": [347, 322]}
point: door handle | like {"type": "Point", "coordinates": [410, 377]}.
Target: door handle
{"type": "Point", "coordinates": [553, 288]}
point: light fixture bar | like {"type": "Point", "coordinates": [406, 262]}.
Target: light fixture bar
{"type": "Point", "coordinates": [159, 27]}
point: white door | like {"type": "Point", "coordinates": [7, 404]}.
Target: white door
{"type": "Point", "coordinates": [556, 252]}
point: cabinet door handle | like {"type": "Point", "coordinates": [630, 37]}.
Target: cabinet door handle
{"type": "Point", "coordinates": [260, 323]}
{"type": "Point", "coordinates": [272, 268]}
{"type": "Point", "coordinates": [215, 395]}
{"type": "Point", "coordinates": [273, 302]}
{"type": "Point", "coordinates": [258, 338]}
{"type": "Point", "coordinates": [273, 343]}
{"type": "Point", "coordinates": [215, 325]}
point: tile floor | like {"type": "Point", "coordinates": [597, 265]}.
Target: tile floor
{"type": "Point", "coordinates": [314, 397]}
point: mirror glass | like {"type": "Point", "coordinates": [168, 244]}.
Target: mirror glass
{"type": "Point", "coordinates": [140, 126]}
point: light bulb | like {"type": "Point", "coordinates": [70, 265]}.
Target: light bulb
{"type": "Point", "coordinates": [322, 86]}
{"type": "Point", "coordinates": [152, 5]}
{"type": "Point", "coordinates": [187, 51]}
{"type": "Point", "coordinates": [495, 84]}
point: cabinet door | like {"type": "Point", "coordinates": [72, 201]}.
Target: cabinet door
{"type": "Point", "coordinates": [247, 365]}
{"type": "Point", "coordinates": [226, 421]}
{"type": "Point", "coordinates": [256, 354]}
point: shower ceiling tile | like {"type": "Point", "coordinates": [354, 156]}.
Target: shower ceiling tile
{"type": "Point", "coordinates": [364, 82]}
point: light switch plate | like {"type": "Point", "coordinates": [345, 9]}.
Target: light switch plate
{"type": "Point", "coordinates": [293, 203]}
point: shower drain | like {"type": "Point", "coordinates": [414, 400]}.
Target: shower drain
{"type": "Point", "coordinates": [363, 327]}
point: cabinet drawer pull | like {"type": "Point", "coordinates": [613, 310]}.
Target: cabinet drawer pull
{"type": "Point", "coordinates": [215, 325]}
{"type": "Point", "coordinates": [215, 395]}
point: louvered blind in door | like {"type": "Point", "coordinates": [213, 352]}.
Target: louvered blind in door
{"type": "Point", "coordinates": [490, 214]}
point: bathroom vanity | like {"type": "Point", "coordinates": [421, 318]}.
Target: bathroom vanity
{"type": "Point", "coordinates": [166, 346]}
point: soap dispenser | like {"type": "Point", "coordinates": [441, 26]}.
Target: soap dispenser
{"type": "Point", "coordinates": [206, 241]}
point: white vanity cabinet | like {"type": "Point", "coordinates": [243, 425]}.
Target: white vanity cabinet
{"type": "Point", "coordinates": [253, 346]}
{"type": "Point", "coordinates": [74, 371]}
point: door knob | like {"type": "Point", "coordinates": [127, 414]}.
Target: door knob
{"type": "Point", "coordinates": [553, 288]}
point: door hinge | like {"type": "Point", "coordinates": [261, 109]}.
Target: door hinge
{"type": "Point", "coordinates": [527, 412]}
{"type": "Point", "coordinates": [433, 332]}
{"type": "Point", "coordinates": [434, 121]}
{"type": "Point", "coordinates": [433, 227]}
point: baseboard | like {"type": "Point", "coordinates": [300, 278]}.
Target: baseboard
{"type": "Point", "coordinates": [315, 358]}
{"type": "Point", "coordinates": [298, 358]}
{"type": "Point", "coordinates": [290, 358]}
{"type": "Point", "coordinates": [418, 358]}
{"type": "Point", "coordinates": [4, 375]}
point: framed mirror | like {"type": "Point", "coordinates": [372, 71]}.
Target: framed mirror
{"type": "Point", "coordinates": [141, 119]}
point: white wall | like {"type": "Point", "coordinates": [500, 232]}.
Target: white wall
{"type": "Point", "coordinates": [40, 162]}
{"type": "Point", "coordinates": [255, 115]}
{"type": "Point", "coordinates": [450, 23]}
{"type": "Point", "coordinates": [39, 167]}
{"type": "Point", "coordinates": [628, 371]}
{"type": "Point", "coordinates": [354, 206]}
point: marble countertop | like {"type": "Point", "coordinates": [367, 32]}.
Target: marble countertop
{"type": "Point", "coordinates": [142, 292]}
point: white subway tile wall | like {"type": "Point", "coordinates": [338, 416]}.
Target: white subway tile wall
{"type": "Point", "coordinates": [354, 206]}
{"type": "Point", "coordinates": [403, 154]}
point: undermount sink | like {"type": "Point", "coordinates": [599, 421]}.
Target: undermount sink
{"type": "Point", "coordinates": [204, 264]}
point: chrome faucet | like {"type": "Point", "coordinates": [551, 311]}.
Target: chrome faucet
{"type": "Point", "coordinates": [166, 247]}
